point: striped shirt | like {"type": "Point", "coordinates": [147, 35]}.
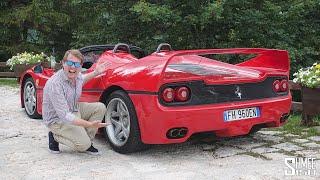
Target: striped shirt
{"type": "Point", "coordinates": [60, 98]}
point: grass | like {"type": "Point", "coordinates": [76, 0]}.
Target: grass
{"type": "Point", "coordinates": [12, 82]}
{"type": "Point", "coordinates": [294, 126]}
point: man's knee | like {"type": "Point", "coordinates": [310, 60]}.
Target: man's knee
{"type": "Point", "coordinates": [101, 107]}
{"type": "Point", "coordinates": [83, 145]}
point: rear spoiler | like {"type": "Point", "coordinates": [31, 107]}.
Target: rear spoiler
{"type": "Point", "coordinates": [268, 58]}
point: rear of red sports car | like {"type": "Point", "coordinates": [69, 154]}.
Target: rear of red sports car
{"type": "Point", "coordinates": [170, 95]}
{"type": "Point", "coordinates": [198, 94]}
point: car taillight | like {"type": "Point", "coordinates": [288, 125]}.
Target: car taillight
{"type": "Point", "coordinates": [175, 94]}
{"type": "Point", "coordinates": [182, 94]}
{"type": "Point", "coordinates": [280, 86]}
{"type": "Point", "coordinates": [284, 85]}
{"type": "Point", "coordinates": [168, 94]}
{"type": "Point", "coordinates": [276, 86]}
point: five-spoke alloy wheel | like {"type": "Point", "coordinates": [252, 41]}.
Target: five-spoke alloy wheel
{"type": "Point", "coordinates": [118, 114]}
{"type": "Point", "coordinates": [123, 133]}
{"type": "Point", "coordinates": [30, 99]}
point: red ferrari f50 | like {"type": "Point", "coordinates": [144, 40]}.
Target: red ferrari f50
{"type": "Point", "coordinates": [169, 95]}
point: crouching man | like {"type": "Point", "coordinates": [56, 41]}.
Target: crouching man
{"type": "Point", "coordinates": [70, 122]}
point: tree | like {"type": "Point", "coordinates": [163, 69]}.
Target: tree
{"type": "Point", "coordinates": [36, 25]}
{"type": "Point", "coordinates": [39, 25]}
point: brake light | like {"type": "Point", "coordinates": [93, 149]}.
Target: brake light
{"type": "Point", "coordinates": [175, 94]}
{"type": "Point", "coordinates": [168, 94]}
{"type": "Point", "coordinates": [182, 94]}
{"type": "Point", "coordinates": [276, 86]}
{"type": "Point", "coordinates": [280, 86]}
{"type": "Point", "coordinates": [284, 85]}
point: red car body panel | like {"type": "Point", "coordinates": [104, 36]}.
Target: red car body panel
{"type": "Point", "coordinates": [204, 118]}
{"type": "Point", "coordinates": [143, 79]}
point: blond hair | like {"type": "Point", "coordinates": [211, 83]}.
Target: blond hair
{"type": "Point", "coordinates": [75, 53]}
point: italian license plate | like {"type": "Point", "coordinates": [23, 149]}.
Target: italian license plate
{"type": "Point", "coordinates": [239, 114]}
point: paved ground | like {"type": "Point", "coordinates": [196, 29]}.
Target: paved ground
{"type": "Point", "coordinates": [24, 154]}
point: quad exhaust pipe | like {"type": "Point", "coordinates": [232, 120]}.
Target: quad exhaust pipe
{"type": "Point", "coordinates": [176, 133]}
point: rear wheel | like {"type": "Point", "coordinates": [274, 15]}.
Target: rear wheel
{"type": "Point", "coordinates": [256, 128]}
{"type": "Point", "coordinates": [30, 99]}
{"type": "Point", "coordinates": [123, 134]}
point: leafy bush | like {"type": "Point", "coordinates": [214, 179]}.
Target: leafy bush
{"type": "Point", "coordinates": [308, 77]}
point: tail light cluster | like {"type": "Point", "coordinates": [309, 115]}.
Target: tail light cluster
{"type": "Point", "coordinates": [280, 86]}
{"type": "Point", "coordinates": [175, 94]}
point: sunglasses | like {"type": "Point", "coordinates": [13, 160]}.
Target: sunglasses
{"type": "Point", "coordinates": [71, 63]}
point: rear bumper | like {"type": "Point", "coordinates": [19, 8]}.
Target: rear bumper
{"type": "Point", "coordinates": [155, 120]}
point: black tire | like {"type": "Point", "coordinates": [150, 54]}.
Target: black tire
{"type": "Point", "coordinates": [131, 143]}
{"type": "Point", "coordinates": [255, 129]}
{"type": "Point", "coordinates": [30, 92]}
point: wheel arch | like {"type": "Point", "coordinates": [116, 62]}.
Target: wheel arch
{"type": "Point", "coordinates": [132, 148]}
{"type": "Point", "coordinates": [106, 93]}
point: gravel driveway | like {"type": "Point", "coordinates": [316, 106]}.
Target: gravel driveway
{"type": "Point", "coordinates": [24, 154]}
